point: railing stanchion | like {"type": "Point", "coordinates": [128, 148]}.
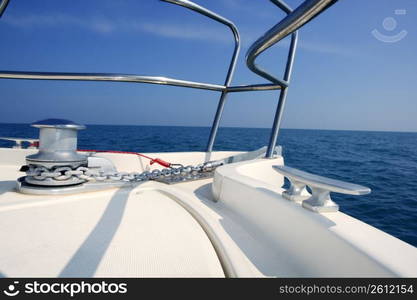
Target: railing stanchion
{"type": "Point", "coordinates": [216, 121]}
{"type": "Point", "coordinates": [282, 97]}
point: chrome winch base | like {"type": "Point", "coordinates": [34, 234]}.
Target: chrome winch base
{"type": "Point", "coordinates": [56, 176]}
{"type": "Point", "coordinates": [100, 173]}
{"type": "Point", "coordinates": [25, 188]}
{"type": "Point", "coordinates": [57, 154]}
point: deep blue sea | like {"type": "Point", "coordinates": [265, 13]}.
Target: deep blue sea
{"type": "Point", "coordinates": [384, 161]}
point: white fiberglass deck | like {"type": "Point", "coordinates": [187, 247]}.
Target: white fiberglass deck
{"type": "Point", "coordinates": [118, 233]}
{"type": "Point", "coordinates": [158, 230]}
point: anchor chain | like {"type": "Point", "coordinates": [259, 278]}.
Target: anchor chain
{"type": "Point", "coordinates": [64, 173]}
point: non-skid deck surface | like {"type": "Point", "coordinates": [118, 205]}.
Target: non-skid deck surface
{"type": "Point", "coordinates": [103, 234]}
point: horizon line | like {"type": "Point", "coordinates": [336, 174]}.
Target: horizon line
{"type": "Point", "coordinates": [201, 126]}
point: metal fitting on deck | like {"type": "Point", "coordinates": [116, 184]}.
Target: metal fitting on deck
{"type": "Point", "coordinates": [319, 200]}
{"type": "Point", "coordinates": [57, 148]}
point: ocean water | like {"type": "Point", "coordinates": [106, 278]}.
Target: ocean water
{"type": "Point", "coordinates": [384, 161]}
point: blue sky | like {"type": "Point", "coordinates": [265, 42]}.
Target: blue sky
{"type": "Point", "coordinates": [344, 77]}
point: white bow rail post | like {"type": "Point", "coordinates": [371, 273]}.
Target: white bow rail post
{"type": "Point", "coordinates": [319, 200]}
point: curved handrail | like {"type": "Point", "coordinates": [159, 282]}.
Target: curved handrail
{"type": "Point", "coordinates": [293, 21]}
{"type": "Point", "coordinates": [232, 65]}
{"type": "Point", "coordinates": [139, 78]}
{"type": "Point", "coordinates": [116, 77]}
{"type": "Point", "coordinates": [110, 77]}
{"type": "Point", "coordinates": [3, 5]}
{"type": "Point", "coordinates": [212, 15]}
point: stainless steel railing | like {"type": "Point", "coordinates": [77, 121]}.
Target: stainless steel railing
{"type": "Point", "coordinates": [3, 5]}
{"type": "Point", "coordinates": [232, 65]}
{"type": "Point", "coordinates": [109, 77]}
{"type": "Point", "coordinates": [294, 20]}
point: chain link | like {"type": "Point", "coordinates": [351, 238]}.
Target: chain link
{"type": "Point", "coordinates": [65, 173]}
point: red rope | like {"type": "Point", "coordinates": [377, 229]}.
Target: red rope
{"type": "Point", "coordinates": [152, 160]}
